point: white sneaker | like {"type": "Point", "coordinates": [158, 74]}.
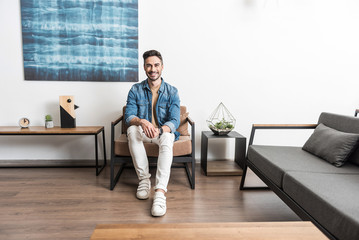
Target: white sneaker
{"type": "Point", "coordinates": [143, 189]}
{"type": "Point", "coordinates": [159, 205]}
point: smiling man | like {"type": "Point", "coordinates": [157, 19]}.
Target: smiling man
{"type": "Point", "coordinates": [153, 115]}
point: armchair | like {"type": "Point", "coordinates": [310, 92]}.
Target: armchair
{"type": "Point", "coordinates": [183, 149]}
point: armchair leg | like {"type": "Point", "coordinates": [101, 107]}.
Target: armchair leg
{"type": "Point", "coordinates": [193, 173]}
{"type": "Point", "coordinates": [112, 169]}
{"type": "Point", "coordinates": [113, 179]}
{"type": "Point", "coordinates": [191, 177]}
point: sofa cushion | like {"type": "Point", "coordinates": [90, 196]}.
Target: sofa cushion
{"type": "Point", "coordinates": [181, 147]}
{"type": "Point", "coordinates": [332, 145]}
{"type": "Point", "coordinates": [274, 161]}
{"type": "Point", "coordinates": [331, 199]}
{"type": "Point", "coordinates": [345, 124]}
{"type": "Point", "coordinates": [354, 157]}
{"type": "Point", "coordinates": [341, 123]}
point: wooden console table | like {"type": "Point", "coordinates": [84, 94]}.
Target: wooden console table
{"type": "Point", "coordinates": [37, 130]}
{"type": "Point", "coordinates": [209, 231]}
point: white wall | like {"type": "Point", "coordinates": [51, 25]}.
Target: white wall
{"type": "Point", "coordinates": [268, 61]}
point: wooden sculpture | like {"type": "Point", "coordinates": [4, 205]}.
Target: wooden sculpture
{"type": "Point", "coordinates": [67, 112]}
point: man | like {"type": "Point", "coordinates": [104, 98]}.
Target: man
{"type": "Point", "coordinates": [153, 115]}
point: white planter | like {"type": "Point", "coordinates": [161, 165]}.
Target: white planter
{"type": "Point", "coordinates": [49, 124]}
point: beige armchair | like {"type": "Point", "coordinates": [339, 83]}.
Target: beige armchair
{"type": "Point", "coordinates": [183, 149]}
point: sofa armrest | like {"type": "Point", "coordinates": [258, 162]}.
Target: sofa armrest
{"type": "Point", "coordinates": [284, 126]}
{"type": "Point", "coordinates": [279, 126]}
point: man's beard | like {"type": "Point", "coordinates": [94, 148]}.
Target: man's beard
{"type": "Point", "coordinates": [153, 79]}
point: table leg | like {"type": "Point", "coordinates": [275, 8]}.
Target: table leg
{"type": "Point", "coordinates": [240, 151]}
{"type": "Point", "coordinates": [104, 147]}
{"type": "Point", "coordinates": [96, 154]}
{"type": "Point", "coordinates": [104, 152]}
{"type": "Point", "coordinates": [204, 149]}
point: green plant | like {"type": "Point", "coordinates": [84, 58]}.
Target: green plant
{"type": "Point", "coordinates": [223, 124]}
{"type": "Point", "coordinates": [48, 117]}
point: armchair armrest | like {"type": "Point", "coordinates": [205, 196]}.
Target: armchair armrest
{"type": "Point", "coordinates": [190, 121]}
{"type": "Point", "coordinates": [279, 126]}
{"type": "Point", "coordinates": [193, 135]}
{"type": "Point", "coordinates": [114, 123]}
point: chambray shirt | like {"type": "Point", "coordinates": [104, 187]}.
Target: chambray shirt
{"type": "Point", "coordinates": [139, 104]}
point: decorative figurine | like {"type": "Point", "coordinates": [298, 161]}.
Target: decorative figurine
{"type": "Point", "coordinates": [67, 112]}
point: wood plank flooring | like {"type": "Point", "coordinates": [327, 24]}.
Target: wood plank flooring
{"type": "Point", "coordinates": [209, 231]}
{"type": "Point", "coordinates": [67, 203]}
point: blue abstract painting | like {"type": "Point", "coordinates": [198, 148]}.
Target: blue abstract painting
{"type": "Point", "coordinates": [80, 40]}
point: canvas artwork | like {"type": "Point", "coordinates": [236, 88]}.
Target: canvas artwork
{"type": "Point", "coordinates": [80, 40]}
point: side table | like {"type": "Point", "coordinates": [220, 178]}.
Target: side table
{"type": "Point", "coordinates": [222, 167]}
{"type": "Point", "coordinates": [58, 131]}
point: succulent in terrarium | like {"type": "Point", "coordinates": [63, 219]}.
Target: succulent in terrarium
{"type": "Point", "coordinates": [221, 121]}
{"type": "Point", "coordinates": [223, 124]}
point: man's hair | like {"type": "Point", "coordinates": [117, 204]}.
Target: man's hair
{"type": "Point", "coordinates": [152, 53]}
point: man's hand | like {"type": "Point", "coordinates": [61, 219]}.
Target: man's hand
{"type": "Point", "coordinates": [148, 129]}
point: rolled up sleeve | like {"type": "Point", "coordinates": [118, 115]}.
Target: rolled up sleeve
{"type": "Point", "coordinates": [174, 112]}
{"type": "Point", "coordinates": [131, 107]}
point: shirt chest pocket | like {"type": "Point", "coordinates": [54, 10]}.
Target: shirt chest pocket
{"type": "Point", "coordinates": [142, 108]}
{"type": "Point", "coordinates": [163, 110]}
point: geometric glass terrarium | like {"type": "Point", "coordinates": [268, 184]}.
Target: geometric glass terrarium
{"type": "Point", "coordinates": [221, 121]}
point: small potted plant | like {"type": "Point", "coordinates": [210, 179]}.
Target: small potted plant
{"type": "Point", "coordinates": [48, 121]}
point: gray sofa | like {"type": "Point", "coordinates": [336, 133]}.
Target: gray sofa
{"type": "Point", "coordinates": [309, 184]}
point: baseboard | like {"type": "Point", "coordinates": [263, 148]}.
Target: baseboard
{"type": "Point", "coordinates": [49, 163]}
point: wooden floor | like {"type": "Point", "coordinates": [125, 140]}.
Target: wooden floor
{"type": "Point", "coordinates": [209, 231]}
{"type": "Point", "coordinates": [67, 203]}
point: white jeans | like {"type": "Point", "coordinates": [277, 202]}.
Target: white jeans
{"type": "Point", "coordinates": [136, 138]}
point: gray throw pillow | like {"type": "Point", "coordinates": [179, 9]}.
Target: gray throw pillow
{"type": "Point", "coordinates": [331, 145]}
{"type": "Point", "coordinates": [354, 157]}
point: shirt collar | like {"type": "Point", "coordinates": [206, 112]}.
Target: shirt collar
{"type": "Point", "coordinates": [148, 87]}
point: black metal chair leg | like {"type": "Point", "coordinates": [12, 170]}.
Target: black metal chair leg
{"type": "Point", "coordinates": [193, 174]}
{"type": "Point", "coordinates": [112, 184]}
{"type": "Point", "coordinates": [191, 177]}
{"type": "Point", "coordinates": [114, 180]}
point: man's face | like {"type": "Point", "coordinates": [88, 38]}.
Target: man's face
{"type": "Point", "coordinates": [153, 68]}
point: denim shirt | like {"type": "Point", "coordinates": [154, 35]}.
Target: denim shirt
{"type": "Point", "coordinates": [139, 104]}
